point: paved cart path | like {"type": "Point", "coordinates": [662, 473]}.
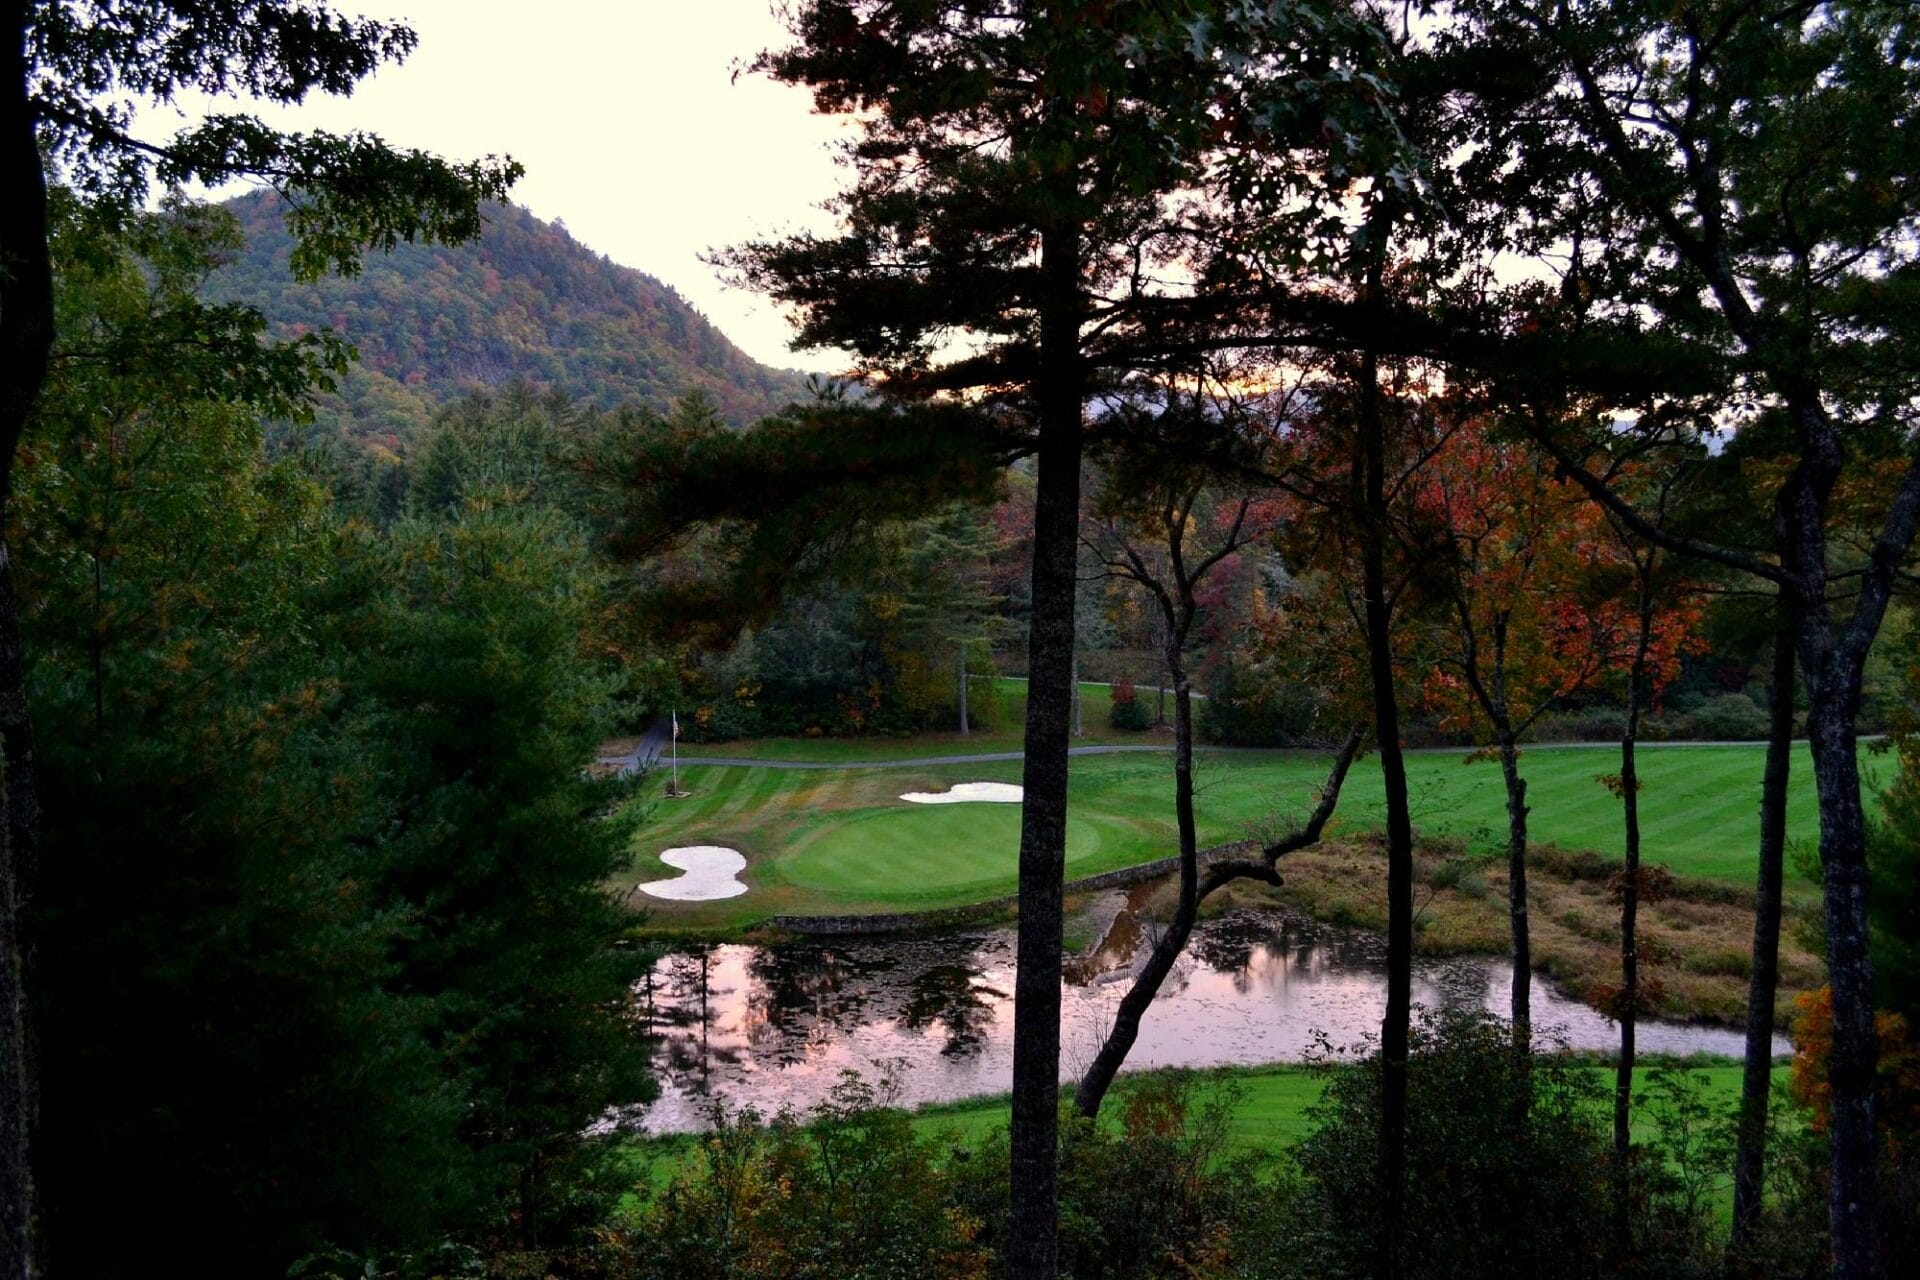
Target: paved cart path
{"type": "Point", "coordinates": [652, 752]}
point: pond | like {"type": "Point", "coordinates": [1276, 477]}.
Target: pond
{"type": "Point", "coordinates": [775, 1026]}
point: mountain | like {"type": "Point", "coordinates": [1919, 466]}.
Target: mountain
{"type": "Point", "coordinates": [526, 302]}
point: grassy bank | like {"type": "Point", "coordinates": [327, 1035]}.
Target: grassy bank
{"type": "Point", "coordinates": [1695, 944]}
{"type": "Point", "coordinates": [1270, 1114]}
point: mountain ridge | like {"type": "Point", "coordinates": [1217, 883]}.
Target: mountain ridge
{"type": "Point", "coordinates": [524, 303]}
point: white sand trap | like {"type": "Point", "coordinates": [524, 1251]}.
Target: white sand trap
{"type": "Point", "coordinates": [964, 792]}
{"type": "Point", "coordinates": [708, 872]}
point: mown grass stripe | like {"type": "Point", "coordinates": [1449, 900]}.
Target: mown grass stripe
{"type": "Point", "coordinates": [844, 840]}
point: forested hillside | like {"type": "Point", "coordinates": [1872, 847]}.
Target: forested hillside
{"type": "Point", "coordinates": [525, 302]}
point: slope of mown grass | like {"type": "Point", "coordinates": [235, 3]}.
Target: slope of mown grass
{"type": "Point", "coordinates": [841, 840]}
{"type": "Point", "coordinates": [1699, 806]}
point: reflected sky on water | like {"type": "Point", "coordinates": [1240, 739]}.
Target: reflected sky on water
{"type": "Point", "coordinates": [775, 1026]}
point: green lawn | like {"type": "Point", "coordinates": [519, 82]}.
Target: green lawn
{"type": "Point", "coordinates": [1699, 806]}
{"type": "Point", "coordinates": [1272, 1112]}
{"type": "Point", "coordinates": [840, 840]}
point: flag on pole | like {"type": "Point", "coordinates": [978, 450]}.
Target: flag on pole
{"type": "Point", "coordinates": [676, 725]}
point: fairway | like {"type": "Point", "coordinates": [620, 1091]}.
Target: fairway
{"type": "Point", "coordinates": [841, 840]}
{"type": "Point", "coordinates": [1699, 806]}
{"type": "Point", "coordinates": [963, 849]}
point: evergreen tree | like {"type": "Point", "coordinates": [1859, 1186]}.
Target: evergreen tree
{"type": "Point", "coordinates": [484, 704]}
{"type": "Point", "coordinates": [74, 74]}
{"type": "Point", "coordinates": [323, 931]}
{"type": "Point", "coordinates": [1015, 175]}
{"type": "Point", "coordinates": [948, 614]}
{"type": "Point", "coordinates": [214, 954]}
{"type": "Point", "coordinates": [505, 447]}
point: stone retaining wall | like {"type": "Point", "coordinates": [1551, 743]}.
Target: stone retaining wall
{"type": "Point", "coordinates": [953, 917]}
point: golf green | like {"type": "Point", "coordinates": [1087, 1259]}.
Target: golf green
{"type": "Point", "coordinates": [835, 840]}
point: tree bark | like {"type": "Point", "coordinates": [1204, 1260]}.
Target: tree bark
{"type": "Point", "coordinates": [1174, 594]}
{"type": "Point", "coordinates": [1833, 665]}
{"type": "Point", "coordinates": [19, 839]}
{"type": "Point", "coordinates": [960, 680]}
{"type": "Point", "coordinates": [1630, 903]}
{"type": "Point", "coordinates": [1853, 1205]}
{"type": "Point", "coordinates": [1396, 1023]}
{"type": "Point", "coordinates": [1756, 1086]}
{"type": "Point", "coordinates": [1126, 1026]}
{"type": "Point", "coordinates": [1033, 1214]}
{"type": "Point", "coordinates": [26, 340]}
{"type": "Point", "coordinates": [1166, 678]}
{"type": "Point", "coordinates": [1522, 945]}
{"type": "Point", "coordinates": [1074, 685]}
{"type": "Point", "coordinates": [1133, 1006]}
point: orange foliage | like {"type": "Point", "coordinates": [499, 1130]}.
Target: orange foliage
{"type": "Point", "coordinates": [1537, 583]}
{"type": "Point", "coordinates": [1897, 1091]}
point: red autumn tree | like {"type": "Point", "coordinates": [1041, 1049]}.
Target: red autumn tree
{"type": "Point", "coordinates": [1529, 588]}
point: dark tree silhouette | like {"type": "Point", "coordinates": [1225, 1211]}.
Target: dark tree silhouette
{"type": "Point", "coordinates": [68, 94]}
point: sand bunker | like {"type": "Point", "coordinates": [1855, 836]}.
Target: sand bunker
{"type": "Point", "coordinates": [708, 872]}
{"type": "Point", "coordinates": [962, 793]}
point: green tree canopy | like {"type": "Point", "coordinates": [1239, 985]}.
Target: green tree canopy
{"type": "Point", "coordinates": [74, 77]}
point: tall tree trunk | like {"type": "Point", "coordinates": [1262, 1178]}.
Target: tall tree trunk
{"type": "Point", "coordinates": [1853, 1204]}
{"type": "Point", "coordinates": [1395, 1024]}
{"type": "Point", "coordinates": [1174, 594]}
{"type": "Point", "coordinates": [1522, 946]}
{"type": "Point", "coordinates": [1133, 1006]}
{"type": "Point", "coordinates": [1756, 1085]}
{"type": "Point", "coordinates": [1833, 667]}
{"type": "Point", "coordinates": [1033, 1215]}
{"type": "Point", "coordinates": [1630, 903]}
{"type": "Point", "coordinates": [1073, 685]}
{"type": "Point", "coordinates": [960, 681]}
{"type": "Point", "coordinates": [1166, 678]}
{"type": "Point", "coordinates": [26, 339]}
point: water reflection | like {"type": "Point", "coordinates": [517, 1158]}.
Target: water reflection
{"type": "Point", "coordinates": [774, 1026]}
{"type": "Point", "coordinates": [952, 997]}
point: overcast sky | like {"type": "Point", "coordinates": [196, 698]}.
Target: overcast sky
{"type": "Point", "coordinates": [628, 120]}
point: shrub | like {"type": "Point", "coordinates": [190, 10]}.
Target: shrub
{"type": "Point", "coordinates": [1730, 717]}
{"type": "Point", "coordinates": [851, 1191]}
{"type": "Point", "coordinates": [1724, 962]}
{"type": "Point", "coordinates": [1574, 864]}
{"type": "Point", "coordinates": [854, 1191]}
{"type": "Point", "coordinates": [1462, 875]}
{"type": "Point", "coordinates": [1242, 709]}
{"type": "Point", "coordinates": [1592, 724]}
{"type": "Point", "coordinates": [1679, 1176]}
{"type": "Point", "coordinates": [1128, 713]}
{"type": "Point", "coordinates": [1506, 1162]}
{"type": "Point", "coordinates": [1156, 1194]}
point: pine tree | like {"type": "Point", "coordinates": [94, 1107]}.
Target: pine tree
{"type": "Point", "coordinates": [68, 94]}
{"type": "Point", "coordinates": [1016, 173]}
